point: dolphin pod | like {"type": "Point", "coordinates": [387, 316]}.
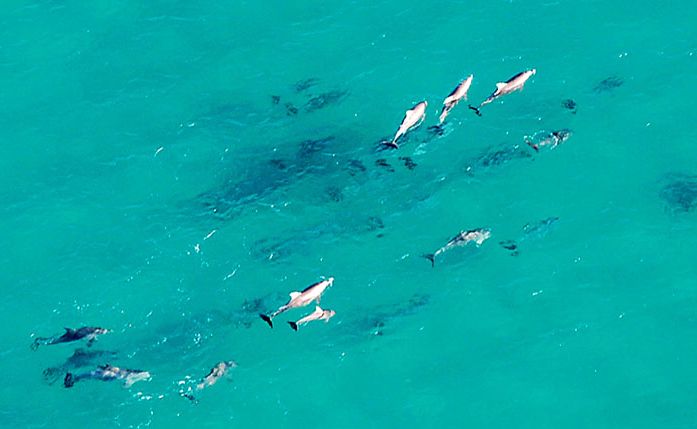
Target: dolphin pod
{"type": "Point", "coordinates": [313, 293]}
{"type": "Point", "coordinates": [417, 114]}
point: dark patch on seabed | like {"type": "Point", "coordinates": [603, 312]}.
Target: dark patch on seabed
{"type": "Point", "coordinates": [570, 105]}
{"type": "Point", "coordinates": [271, 174]}
{"type": "Point", "coordinates": [379, 318]}
{"type": "Point", "coordinates": [274, 249]}
{"type": "Point", "coordinates": [608, 84]}
{"type": "Point", "coordinates": [173, 338]}
{"type": "Point", "coordinates": [303, 96]}
{"type": "Point", "coordinates": [679, 192]}
{"type": "Point", "coordinates": [305, 84]}
{"type": "Point", "coordinates": [320, 101]}
{"type": "Point", "coordinates": [531, 230]}
{"type": "Point", "coordinates": [497, 156]}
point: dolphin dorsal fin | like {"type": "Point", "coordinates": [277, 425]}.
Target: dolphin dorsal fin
{"type": "Point", "coordinates": [500, 85]}
{"type": "Point", "coordinates": [68, 329]}
{"type": "Point", "coordinates": [318, 308]}
{"type": "Point", "coordinates": [294, 295]}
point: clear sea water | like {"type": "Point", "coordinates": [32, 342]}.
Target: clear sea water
{"type": "Point", "coordinates": [151, 185]}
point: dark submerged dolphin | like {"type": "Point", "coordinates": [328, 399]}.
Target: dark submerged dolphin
{"type": "Point", "coordinates": [88, 332]}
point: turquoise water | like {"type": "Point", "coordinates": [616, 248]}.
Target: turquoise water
{"type": "Point", "coordinates": [151, 186]}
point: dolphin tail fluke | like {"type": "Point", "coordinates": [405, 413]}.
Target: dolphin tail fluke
{"type": "Point", "coordinates": [476, 110]}
{"type": "Point", "coordinates": [266, 319]}
{"type": "Point", "coordinates": [293, 325]}
{"type": "Point", "coordinates": [431, 257]}
{"type": "Point", "coordinates": [69, 380]}
{"type": "Point", "coordinates": [534, 146]}
{"type": "Point", "coordinates": [390, 144]}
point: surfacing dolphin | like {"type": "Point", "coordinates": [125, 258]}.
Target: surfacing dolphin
{"type": "Point", "coordinates": [553, 139]}
{"type": "Point", "coordinates": [318, 314]}
{"type": "Point", "coordinates": [215, 374]}
{"type": "Point", "coordinates": [108, 373]}
{"type": "Point", "coordinates": [88, 332]}
{"type": "Point", "coordinates": [477, 236]}
{"type": "Point", "coordinates": [412, 119]}
{"type": "Point", "coordinates": [513, 84]}
{"type": "Point", "coordinates": [301, 299]}
{"type": "Point", "coordinates": [459, 93]}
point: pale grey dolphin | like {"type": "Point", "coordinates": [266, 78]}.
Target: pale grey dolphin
{"type": "Point", "coordinates": [412, 119]}
{"type": "Point", "coordinates": [301, 299]}
{"type": "Point", "coordinates": [553, 139]}
{"type": "Point", "coordinates": [108, 373]}
{"type": "Point", "coordinates": [459, 93]}
{"type": "Point", "coordinates": [513, 84]}
{"type": "Point", "coordinates": [477, 236]}
{"type": "Point", "coordinates": [318, 314]}
{"type": "Point", "coordinates": [216, 373]}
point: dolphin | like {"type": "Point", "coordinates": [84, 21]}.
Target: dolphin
{"type": "Point", "coordinates": [215, 374]}
{"type": "Point", "coordinates": [79, 359]}
{"type": "Point", "coordinates": [477, 236]}
{"type": "Point", "coordinates": [108, 373]}
{"type": "Point", "coordinates": [502, 88]}
{"type": "Point", "coordinates": [318, 314]}
{"type": "Point", "coordinates": [70, 335]}
{"type": "Point", "coordinates": [301, 299]}
{"type": "Point", "coordinates": [459, 93]}
{"type": "Point", "coordinates": [412, 119]}
{"type": "Point", "coordinates": [553, 139]}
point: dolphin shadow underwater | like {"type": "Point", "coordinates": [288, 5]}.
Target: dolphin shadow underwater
{"type": "Point", "coordinates": [378, 320]}
{"type": "Point", "coordinates": [531, 231]}
{"type": "Point", "coordinates": [267, 176]}
{"type": "Point", "coordinates": [308, 98]}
